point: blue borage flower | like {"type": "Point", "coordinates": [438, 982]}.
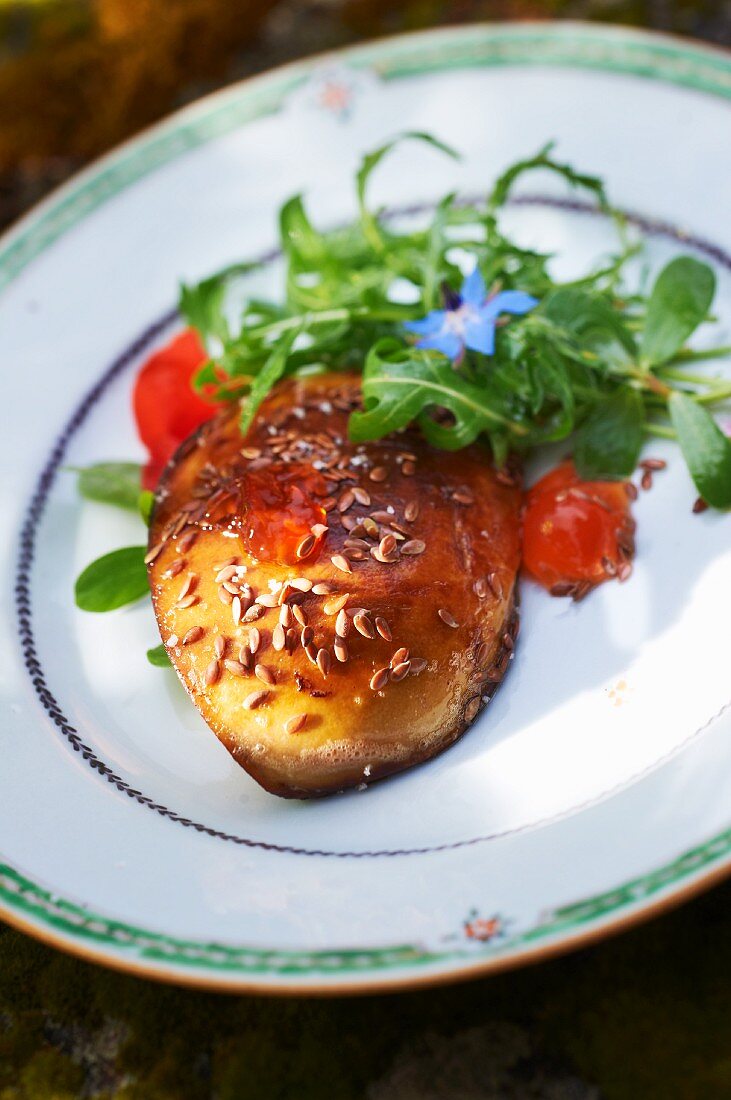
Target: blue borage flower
{"type": "Point", "coordinates": [470, 319]}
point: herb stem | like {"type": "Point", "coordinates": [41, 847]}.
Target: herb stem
{"type": "Point", "coordinates": [660, 430]}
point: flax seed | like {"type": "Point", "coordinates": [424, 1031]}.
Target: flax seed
{"type": "Point", "coordinates": [319, 530]}
{"type": "Point", "coordinates": [371, 528]}
{"type": "Point", "coordinates": [254, 639]}
{"type": "Point", "coordinates": [400, 671]}
{"type": "Point", "coordinates": [306, 546]}
{"type": "Point", "coordinates": [624, 571]}
{"type": "Point", "coordinates": [285, 615]}
{"type": "Point", "coordinates": [653, 464]}
{"type": "Point", "coordinates": [361, 496]}
{"type": "Point", "coordinates": [463, 496]}
{"type": "Point", "coordinates": [186, 602]}
{"type": "Point", "coordinates": [411, 511]}
{"type": "Point", "coordinates": [306, 636]}
{"type": "Point", "coordinates": [267, 599]}
{"type": "Point", "coordinates": [355, 554]}
{"type": "Point", "coordinates": [236, 668]}
{"type": "Point", "coordinates": [413, 547]}
{"type": "Point", "coordinates": [341, 563]}
{"type": "Point", "coordinates": [236, 610]}
{"type": "Point", "coordinates": [363, 625]}
{"type": "Point", "coordinates": [279, 638]}
{"type": "Point", "coordinates": [563, 588]}
{"type": "Point", "coordinates": [254, 612]}
{"type": "Point", "coordinates": [346, 500]}
{"type": "Point", "coordinates": [185, 543]}
{"type": "Point", "coordinates": [174, 568]}
{"type": "Point", "coordinates": [699, 506]}
{"type": "Point", "coordinates": [378, 473]}
{"type": "Point", "coordinates": [323, 661]}
{"type": "Point", "coordinates": [472, 708]}
{"type": "Point", "coordinates": [193, 635]}
{"type": "Point", "coordinates": [219, 646]}
{"type": "Point", "coordinates": [399, 657]}
{"type": "Point", "coordinates": [481, 588]}
{"type": "Point", "coordinates": [381, 517]}
{"type": "Point", "coordinates": [383, 628]}
{"type": "Point", "coordinates": [380, 679]}
{"type": "Point", "coordinates": [418, 664]}
{"type": "Point", "coordinates": [265, 674]}
{"type": "Point", "coordinates": [341, 650]}
{"type": "Point", "coordinates": [631, 489]}
{"type": "Point", "coordinates": [302, 584]}
{"type": "Point", "coordinates": [225, 596]}
{"type": "Point", "coordinates": [508, 642]}
{"type": "Point", "coordinates": [646, 480]}
{"type": "Point", "coordinates": [609, 566]}
{"type": "Point", "coordinates": [332, 607]}
{"type": "Point", "coordinates": [212, 674]}
{"type": "Point", "coordinates": [296, 723]}
{"type": "Point", "coordinates": [322, 590]}
{"type": "Point", "coordinates": [255, 699]}
{"type": "Point", "coordinates": [387, 545]}
{"type": "Point", "coordinates": [225, 574]}
{"type": "Point", "coordinates": [152, 554]}
{"type": "Point", "coordinates": [299, 615]}
{"type": "Point", "coordinates": [311, 651]}
{"type": "Point", "coordinates": [448, 618]}
{"type": "Point", "coordinates": [495, 584]}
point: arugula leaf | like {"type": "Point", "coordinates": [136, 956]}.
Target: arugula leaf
{"type": "Point", "coordinates": [679, 302]}
{"type": "Point", "coordinates": [202, 305]}
{"type": "Point", "coordinates": [543, 160]}
{"type": "Point", "coordinates": [113, 580]}
{"type": "Point", "coordinates": [115, 483]}
{"type": "Point", "coordinates": [705, 448]}
{"type": "Point", "coordinates": [594, 353]}
{"type": "Point", "coordinates": [609, 441]}
{"type": "Point", "coordinates": [400, 384]}
{"type": "Point", "coordinates": [270, 374]}
{"type": "Point", "coordinates": [159, 657]}
{"type": "Point", "coordinates": [370, 161]}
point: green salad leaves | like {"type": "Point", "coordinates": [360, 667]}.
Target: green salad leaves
{"type": "Point", "coordinates": [593, 360]}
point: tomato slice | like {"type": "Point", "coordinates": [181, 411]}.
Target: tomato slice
{"type": "Point", "coordinates": [166, 407]}
{"type": "Point", "coordinates": [576, 532]}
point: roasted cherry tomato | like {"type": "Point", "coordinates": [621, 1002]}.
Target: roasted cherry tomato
{"type": "Point", "coordinates": [166, 407]}
{"type": "Point", "coordinates": [576, 532]}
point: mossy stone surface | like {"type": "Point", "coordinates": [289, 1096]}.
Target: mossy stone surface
{"type": "Point", "coordinates": [646, 1016]}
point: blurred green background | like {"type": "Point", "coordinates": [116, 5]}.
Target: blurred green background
{"type": "Point", "coordinates": [78, 76]}
{"type": "Point", "coordinates": [644, 1017]}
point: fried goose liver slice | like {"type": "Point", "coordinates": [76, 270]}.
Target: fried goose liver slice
{"type": "Point", "coordinates": [337, 612]}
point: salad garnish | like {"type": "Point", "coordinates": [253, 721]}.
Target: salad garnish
{"type": "Point", "coordinates": [453, 325]}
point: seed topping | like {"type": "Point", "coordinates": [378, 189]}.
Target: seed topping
{"type": "Point", "coordinates": [380, 679]}
{"type": "Point", "coordinates": [295, 723]}
{"type": "Point", "coordinates": [383, 628]}
{"type": "Point", "coordinates": [341, 563]}
{"type": "Point", "coordinates": [448, 618]}
{"type": "Point", "coordinates": [255, 699]}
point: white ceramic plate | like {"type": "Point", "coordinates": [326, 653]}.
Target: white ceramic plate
{"type": "Point", "coordinates": [596, 786]}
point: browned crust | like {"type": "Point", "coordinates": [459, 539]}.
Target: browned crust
{"type": "Point", "coordinates": [354, 733]}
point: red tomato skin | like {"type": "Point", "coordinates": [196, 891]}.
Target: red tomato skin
{"type": "Point", "coordinates": [570, 527]}
{"type": "Point", "coordinates": [166, 408]}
